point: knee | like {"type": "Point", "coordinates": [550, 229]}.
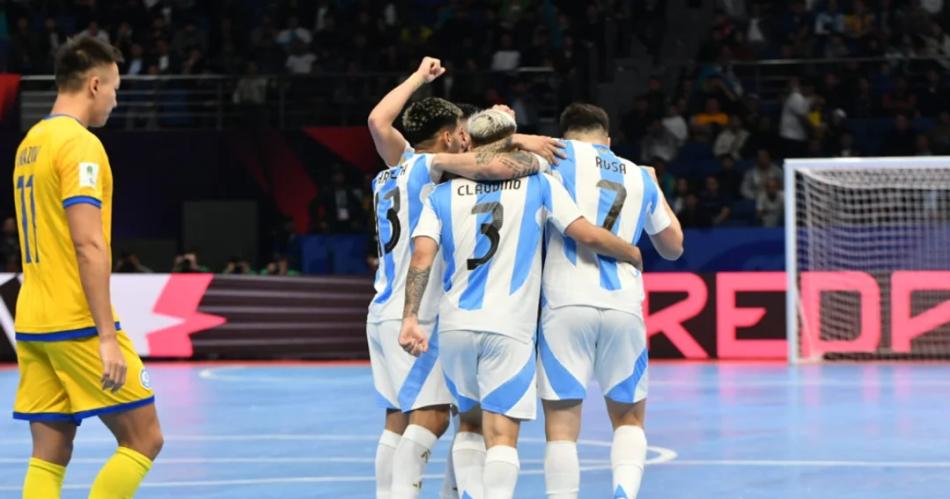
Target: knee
{"type": "Point", "coordinates": [149, 443]}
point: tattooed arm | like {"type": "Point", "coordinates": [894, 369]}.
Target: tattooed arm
{"type": "Point", "coordinates": [495, 161]}
{"type": "Point", "coordinates": [412, 338]}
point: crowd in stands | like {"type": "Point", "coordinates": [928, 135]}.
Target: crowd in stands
{"type": "Point", "coordinates": [872, 81]}
{"type": "Point", "coordinates": [881, 90]}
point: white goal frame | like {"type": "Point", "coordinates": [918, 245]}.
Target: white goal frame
{"type": "Point", "coordinates": [792, 309]}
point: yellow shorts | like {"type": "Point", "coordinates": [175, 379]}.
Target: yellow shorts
{"type": "Point", "coordinates": [61, 381]}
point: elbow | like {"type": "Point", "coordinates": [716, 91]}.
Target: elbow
{"type": "Point", "coordinates": [672, 254]}
{"type": "Point", "coordinates": [88, 248]}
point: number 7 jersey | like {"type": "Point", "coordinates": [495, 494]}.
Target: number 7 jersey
{"type": "Point", "coordinates": [490, 235]}
{"type": "Point", "coordinates": [398, 196]}
{"type": "Point", "coordinates": [58, 164]}
{"type": "Point", "coordinates": [619, 196]}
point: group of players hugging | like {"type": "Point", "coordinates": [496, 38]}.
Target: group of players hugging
{"type": "Point", "coordinates": [463, 213]}
{"type": "Point", "coordinates": [481, 229]}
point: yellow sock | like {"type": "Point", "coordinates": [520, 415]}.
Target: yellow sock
{"type": "Point", "coordinates": [43, 480]}
{"type": "Point", "coordinates": [121, 475]}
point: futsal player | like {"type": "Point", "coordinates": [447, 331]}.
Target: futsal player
{"type": "Point", "coordinates": [592, 317]}
{"type": "Point", "coordinates": [74, 360]}
{"type": "Point", "coordinates": [490, 239]}
{"type": "Point", "coordinates": [411, 390]}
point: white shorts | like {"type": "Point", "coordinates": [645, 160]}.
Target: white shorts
{"type": "Point", "coordinates": [490, 369]}
{"type": "Point", "coordinates": [577, 341]}
{"type": "Point", "coordinates": [404, 382]}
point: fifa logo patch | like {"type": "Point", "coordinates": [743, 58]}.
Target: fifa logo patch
{"type": "Point", "coordinates": [145, 379]}
{"type": "Point", "coordinates": [88, 175]}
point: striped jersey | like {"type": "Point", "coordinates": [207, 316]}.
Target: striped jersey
{"type": "Point", "coordinates": [490, 236]}
{"type": "Point", "coordinates": [398, 196]}
{"type": "Point", "coordinates": [620, 197]}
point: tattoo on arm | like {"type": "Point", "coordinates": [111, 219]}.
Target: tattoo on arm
{"type": "Point", "coordinates": [416, 282]}
{"type": "Point", "coordinates": [517, 163]}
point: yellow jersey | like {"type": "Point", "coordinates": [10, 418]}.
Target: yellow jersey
{"type": "Point", "coordinates": [58, 164]}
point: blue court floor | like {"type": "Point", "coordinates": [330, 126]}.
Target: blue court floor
{"type": "Point", "coordinates": [716, 431]}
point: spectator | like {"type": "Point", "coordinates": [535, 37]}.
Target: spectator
{"type": "Point", "coordinates": [658, 143]}
{"type": "Point", "coordinates": [634, 123]}
{"type": "Point", "coordinates": [301, 59]}
{"type": "Point", "coordinates": [135, 64]}
{"type": "Point", "coordinates": [52, 38]}
{"type": "Point", "coordinates": [194, 64]}
{"type": "Point", "coordinates": [691, 214]}
{"type": "Point", "coordinates": [675, 123]}
{"type": "Point", "coordinates": [770, 205]}
{"type": "Point", "coordinates": [507, 57]}
{"type": "Point", "coordinates": [795, 126]}
{"type": "Point", "coordinates": [24, 48]}
{"type": "Point", "coordinates": [664, 178]}
{"type": "Point", "coordinates": [251, 88]}
{"type": "Point", "coordinates": [860, 22]}
{"type": "Point", "coordinates": [293, 32]}
{"type": "Point", "coordinates": [237, 266]}
{"type": "Point", "coordinates": [166, 61]}
{"type": "Point", "coordinates": [731, 139]}
{"type": "Point", "coordinates": [729, 180]}
{"type": "Point", "coordinates": [937, 44]}
{"type": "Point", "coordinates": [92, 30]}
{"type": "Point", "coordinates": [753, 183]}
{"type": "Point", "coordinates": [711, 115]}
{"type": "Point", "coordinates": [901, 141]}
{"type": "Point", "coordinates": [10, 246]}
{"type": "Point", "coordinates": [188, 263]}
{"type": "Point", "coordinates": [129, 263]}
{"type": "Point", "coordinates": [338, 207]}
{"type": "Point", "coordinates": [830, 20]}
{"type": "Point", "coordinates": [836, 48]}
{"type": "Point", "coordinates": [714, 204]}
{"type": "Point", "coordinates": [678, 199]}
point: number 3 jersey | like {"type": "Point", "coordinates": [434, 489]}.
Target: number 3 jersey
{"type": "Point", "coordinates": [398, 196]}
{"type": "Point", "coordinates": [490, 235]}
{"type": "Point", "coordinates": [58, 164]}
{"type": "Point", "coordinates": [619, 196]}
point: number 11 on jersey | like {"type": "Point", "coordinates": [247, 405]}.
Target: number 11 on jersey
{"type": "Point", "coordinates": [28, 220]}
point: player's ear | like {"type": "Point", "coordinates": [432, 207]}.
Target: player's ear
{"type": "Point", "coordinates": [94, 82]}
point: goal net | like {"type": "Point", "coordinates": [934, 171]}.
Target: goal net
{"type": "Point", "coordinates": [868, 258]}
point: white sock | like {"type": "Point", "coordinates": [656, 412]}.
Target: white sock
{"type": "Point", "coordinates": [388, 442]}
{"type": "Point", "coordinates": [562, 470]}
{"type": "Point", "coordinates": [468, 455]}
{"type": "Point", "coordinates": [410, 459]}
{"type": "Point", "coordinates": [449, 487]}
{"type": "Point", "coordinates": [628, 455]}
{"type": "Point", "coordinates": [501, 472]}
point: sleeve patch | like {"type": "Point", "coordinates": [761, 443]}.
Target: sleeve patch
{"type": "Point", "coordinates": [88, 175]}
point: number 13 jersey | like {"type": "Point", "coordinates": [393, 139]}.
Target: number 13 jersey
{"type": "Point", "coordinates": [398, 196]}
{"type": "Point", "coordinates": [619, 196]}
{"type": "Point", "coordinates": [490, 237]}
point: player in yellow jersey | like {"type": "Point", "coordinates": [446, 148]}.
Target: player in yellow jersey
{"type": "Point", "coordinates": [75, 362]}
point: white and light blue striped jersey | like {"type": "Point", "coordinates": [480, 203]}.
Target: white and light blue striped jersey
{"type": "Point", "coordinates": [398, 196]}
{"type": "Point", "coordinates": [621, 197]}
{"type": "Point", "coordinates": [490, 236]}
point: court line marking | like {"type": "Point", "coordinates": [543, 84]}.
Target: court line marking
{"type": "Point", "coordinates": [214, 373]}
{"type": "Point", "coordinates": [598, 467]}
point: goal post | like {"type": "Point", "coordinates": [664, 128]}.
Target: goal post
{"type": "Point", "coordinates": [867, 255]}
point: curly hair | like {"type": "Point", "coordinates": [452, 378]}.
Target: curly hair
{"type": "Point", "coordinates": [425, 118]}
